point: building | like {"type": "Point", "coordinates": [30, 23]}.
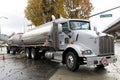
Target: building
{"type": "Point", "coordinates": [114, 28]}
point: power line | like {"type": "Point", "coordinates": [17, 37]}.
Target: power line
{"type": "Point", "coordinates": [104, 11]}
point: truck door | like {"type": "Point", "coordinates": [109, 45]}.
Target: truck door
{"type": "Point", "coordinates": [63, 37]}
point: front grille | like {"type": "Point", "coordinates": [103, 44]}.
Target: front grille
{"type": "Point", "coordinates": [106, 45]}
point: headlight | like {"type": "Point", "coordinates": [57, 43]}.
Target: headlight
{"type": "Point", "coordinates": [86, 52]}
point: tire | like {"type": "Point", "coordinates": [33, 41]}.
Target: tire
{"type": "Point", "coordinates": [28, 53]}
{"type": "Point", "coordinates": [72, 61]}
{"type": "Point", "coordinates": [8, 51]}
{"type": "Point", "coordinates": [14, 52]}
{"type": "Point", "coordinates": [34, 54]}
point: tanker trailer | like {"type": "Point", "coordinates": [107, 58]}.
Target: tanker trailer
{"type": "Point", "coordinates": [14, 43]}
{"type": "Point", "coordinates": [70, 41]}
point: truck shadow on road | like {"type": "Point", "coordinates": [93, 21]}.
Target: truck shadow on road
{"type": "Point", "coordinates": [85, 69]}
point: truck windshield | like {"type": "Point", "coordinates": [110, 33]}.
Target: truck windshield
{"type": "Point", "coordinates": [79, 25]}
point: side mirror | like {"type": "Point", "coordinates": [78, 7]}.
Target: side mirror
{"type": "Point", "coordinates": [59, 28]}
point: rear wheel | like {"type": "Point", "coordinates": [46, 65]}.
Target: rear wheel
{"type": "Point", "coordinates": [14, 52]}
{"type": "Point", "coordinates": [72, 61]}
{"type": "Point", "coordinates": [34, 54]}
{"type": "Point", "coordinates": [27, 52]}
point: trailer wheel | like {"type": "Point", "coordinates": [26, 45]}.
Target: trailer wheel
{"type": "Point", "coordinates": [27, 52]}
{"type": "Point", "coordinates": [8, 51]}
{"type": "Point", "coordinates": [34, 54]}
{"type": "Point", "coordinates": [72, 61]}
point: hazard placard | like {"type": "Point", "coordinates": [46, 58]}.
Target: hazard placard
{"type": "Point", "coordinates": [104, 61]}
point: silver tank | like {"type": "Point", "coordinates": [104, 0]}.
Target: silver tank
{"type": "Point", "coordinates": [15, 39]}
{"type": "Point", "coordinates": [37, 35]}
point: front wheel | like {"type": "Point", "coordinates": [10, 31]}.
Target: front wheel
{"type": "Point", "coordinates": [72, 61]}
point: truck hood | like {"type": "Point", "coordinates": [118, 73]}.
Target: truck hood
{"type": "Point", "coordinates": [82, 34]}
{"type": "Point", "coordinates": [88, 38]}
{"type": "Point", "coordinates": [90, 33]}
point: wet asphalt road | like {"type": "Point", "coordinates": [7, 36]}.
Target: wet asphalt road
{"type": "Point", "coordinates": [20, 68]}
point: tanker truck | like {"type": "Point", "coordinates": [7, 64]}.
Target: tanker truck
{"type": "Point", "coordinates": [73, 40]}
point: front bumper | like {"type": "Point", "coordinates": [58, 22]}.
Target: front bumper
{"type": "Point", "coordinates": [105, 60]}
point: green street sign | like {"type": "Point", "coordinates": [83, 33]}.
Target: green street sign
{"type": "Point", "coordinates": [105, 15]}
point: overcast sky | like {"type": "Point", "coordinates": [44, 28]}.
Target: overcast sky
{"type": "Point", "coordinates": [14, 11]}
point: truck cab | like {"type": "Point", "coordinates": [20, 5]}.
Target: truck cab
{"type": "Point", "coordinates": [83, 46]}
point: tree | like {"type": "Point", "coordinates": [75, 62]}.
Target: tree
{"type": "Point", "coordinates": [40, 11]}
{"type": "Point", "coordinates": [78, 8]}
{"type": "Point", "coordinates": [33, 12]}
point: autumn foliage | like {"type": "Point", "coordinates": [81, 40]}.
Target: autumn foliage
{"type": "Point", "coordinates": [40, 11]}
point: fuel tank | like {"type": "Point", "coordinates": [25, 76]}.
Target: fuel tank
{"type": "Point", "coordinates": [15, 39]}
{"type": "Point", "coordinates": [37, 35]}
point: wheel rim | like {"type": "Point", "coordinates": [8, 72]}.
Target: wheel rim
{"type": "Point", "coordinates": [70, 61]}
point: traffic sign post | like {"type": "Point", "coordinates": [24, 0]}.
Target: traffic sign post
{"type": "Point", "coordinates": [105, 15]}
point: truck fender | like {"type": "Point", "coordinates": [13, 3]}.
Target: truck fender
{"type": "Point", "coordinates": [75, 48]}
